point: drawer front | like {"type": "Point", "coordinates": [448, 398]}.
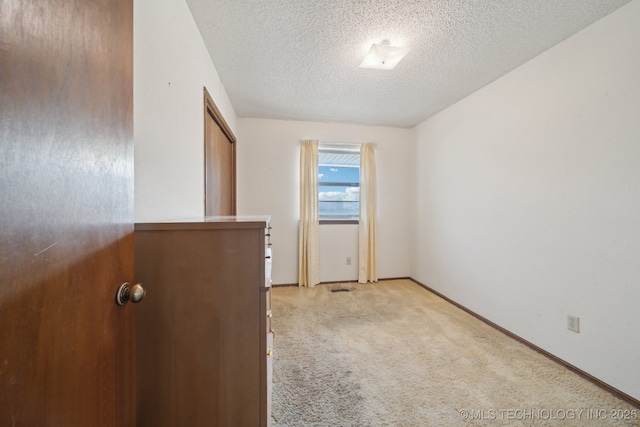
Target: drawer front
{"type": "Point", "coordinates": [269, 313]}
{"type": "Point", "coordinates": [268, 253]}
{"type": "Point", "coordinates": [269, 374]}
{"type": "Point", "coordinates": [267, 269]}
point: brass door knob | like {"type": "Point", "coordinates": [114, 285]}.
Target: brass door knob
{"type": "Point", "coordinates": [127, 293]}
{"type": "Point", "coordinates": [269, 353]}
{"type": "Point", "coordinates": [137, 293]}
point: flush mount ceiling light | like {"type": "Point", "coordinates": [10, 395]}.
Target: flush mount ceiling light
{"type": "Point", "coordinates": [383, 56]}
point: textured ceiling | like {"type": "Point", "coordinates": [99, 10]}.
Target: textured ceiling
{"type": "Point", "coordinates": [298, 59]}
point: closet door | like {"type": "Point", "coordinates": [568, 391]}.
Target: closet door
{"type": "Point", "coordinates": [220, 160]}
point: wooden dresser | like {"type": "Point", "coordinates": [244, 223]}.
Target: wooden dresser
{"type": "Point", "coordinates": [203, 332]}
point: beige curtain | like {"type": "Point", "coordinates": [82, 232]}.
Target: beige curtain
{"type": "Point", "coordinates": [367, 254]}
{"type": "Point", "coordinates": [308, 264]}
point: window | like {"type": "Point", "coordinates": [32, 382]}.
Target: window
{"type": "Point", "coordinates": [338, 184]}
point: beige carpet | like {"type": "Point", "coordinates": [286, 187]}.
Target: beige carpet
{"type": "Point", "coordinates": [394, 354]}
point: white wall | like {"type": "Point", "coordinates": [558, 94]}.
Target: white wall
{"type": "Point", "coordinates": [268, 160]}
{"type": "Point", "coordinates": [171, 66]}
{"type": "Point", "coordinates": [528, 200]}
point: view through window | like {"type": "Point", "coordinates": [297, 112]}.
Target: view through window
{"type": "Point", "coordinates": [338, 183]}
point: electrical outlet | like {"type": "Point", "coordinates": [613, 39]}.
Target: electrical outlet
{"type": "Point", "coordinates": [348, 260]}
{"type": "Point", "coordinates": [573, 323]}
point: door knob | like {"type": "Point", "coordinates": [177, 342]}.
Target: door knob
{"type": "Point", "coordinates": [127, 293]}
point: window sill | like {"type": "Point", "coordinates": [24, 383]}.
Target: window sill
{"type": "Point", "coordinates": [339, 221]}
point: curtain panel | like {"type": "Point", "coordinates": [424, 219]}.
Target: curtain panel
{"type": "Point", "coordinates": [367, 251]}
{"type": "Point", "coordinates": [308, 258]}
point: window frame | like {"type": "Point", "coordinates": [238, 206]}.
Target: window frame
{"type": "Point", "coordinates": [339, 149]}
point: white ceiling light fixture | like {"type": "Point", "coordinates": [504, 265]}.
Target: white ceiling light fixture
{"type": "Point", "coordinates": [383, 56]}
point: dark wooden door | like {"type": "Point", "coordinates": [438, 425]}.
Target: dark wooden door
{"type": "Point", "coordinates": [66, 213]}
{"type": "Point", "coordinates": [220, 160]}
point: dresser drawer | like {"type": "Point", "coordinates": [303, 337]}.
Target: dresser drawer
{"type": "Point", "coordinates": [268, 254]}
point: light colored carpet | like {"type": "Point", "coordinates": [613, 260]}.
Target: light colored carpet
{"type": "Point", "coordinates": [394, 354]}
